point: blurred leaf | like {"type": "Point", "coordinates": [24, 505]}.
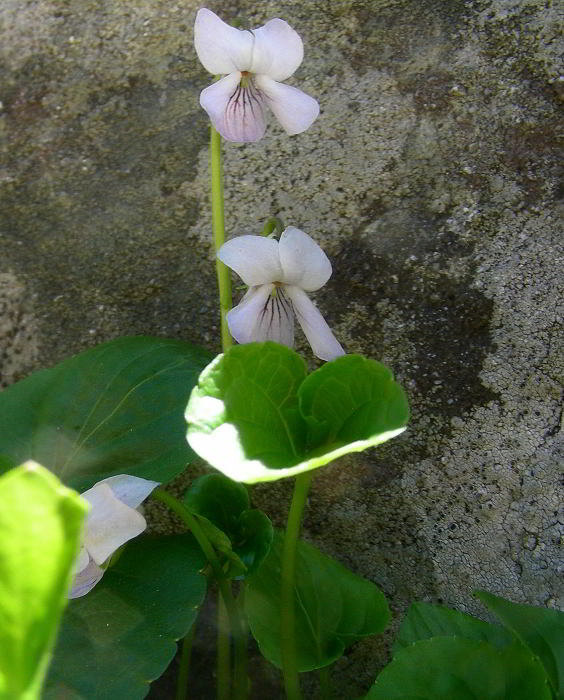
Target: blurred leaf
{"type": "Point", "coordinates": [244, 535]}
{"type": "Point", "coordinates": [334, 607]}
{"type": "Point", "coordinates": [40, 529]}
{"type": "Point", "coordinates": [424, 620]}
{"type": "Point", "coordinates": [540, 629]}
{"type": "Point", "coordinates": [121, 635]}
{"type": "Point", "coordinates": [114, 409]}
{"type": "Point", "coordinates": [452, 668]}
{"type": "Point", "coordinates": [255, 416]}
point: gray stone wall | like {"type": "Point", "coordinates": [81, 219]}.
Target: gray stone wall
{"type": "Point", "coordinates": [430, 179]}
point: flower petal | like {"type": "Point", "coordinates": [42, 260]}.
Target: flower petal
{"type": "Point", "coordinates": [304, 263]}
{"type": "Point", "coordinates": [236, 112]}
{"type": "Point", "coordinates": [110, 523]}
{"type": "Point", "coordinates": [320, 337]}
{"type": "Point", "coordinates": [222, 49]}
{"type": "Point", "coordinates": [261, 316]}
{"type": "Point", "coordinates": [278, 50]}
{"type": "Point", "coordinates": [295, 110]}
{"type": "Point", "coordinates": [81, 562]}
{"type": "Point", "coordinates": [131, 490]}
{"type": "Point", "coordinates": [86, 580]}
{"type": "Point", "coordinates": [254, 258]}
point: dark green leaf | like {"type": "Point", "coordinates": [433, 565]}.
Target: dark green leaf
{"type": "Point", "coordinates": [452, 668]}
{"type": "Point", "coordinates": [40, 529]}
{"type": "Point", "coordinates": [114, 409]}
{"type": "Point", "coordinates": [256, 417]}
{"type": "Point", "coordinates": [121, 635]}
{"type": "Point", "coordinates": [218, 499]}
{"type": "Point", "coordinates": [333, 607]}
{"type": "Point", "coordinates": [243, 535]}
{"type": "Point", "coordinates": [540, 629]}
{"type": "Point", "coordinates": [424, 620]}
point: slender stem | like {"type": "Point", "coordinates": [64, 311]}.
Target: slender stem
{"type": "Point", "coordinates": [236, 623]}
{"type": "Point", "coordinates": [184, 664]}
{"type": "Point", "coordinates": [223, 652]}
{"type": "Point", "coordinates": [240, 642]}
{"type": "Point", "coordinates": [287, 623]}
{"type": "Point", "coordinates": [325, 683]}
{"type": "Point", "coordinates": [218, 222]}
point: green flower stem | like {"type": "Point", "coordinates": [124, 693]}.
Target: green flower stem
{"type": "Point", "coordinates": [325, 683]}
{"type": "Point", "coordinates": [223, 652]}
{"type": "Point", "coordinates": [184, 664]}
{"type": "Point", "coordinates": [288, 622]}
{"type": "Point", "coordinates": [218, 223]}
{"type": "Point", "coordinates": [236, 623]}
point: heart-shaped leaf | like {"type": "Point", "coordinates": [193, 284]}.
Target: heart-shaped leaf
{"type": "Point", "coordinates": [255, 416]}
{"type": "Point", "coordinates": [40, 529]}
{"type": "Point", "coordinates": [114, 409]}
{"type": "Point", "coordinates": [452, 668]}
{"type": "Point", "coordinates": [540, 629]}
{"type": "Point", "coordinates": [424, 620]}
{"type": "Point", "coordinates": [333, 607]}
{"type": "Point", "coordinates": [244, 535]}
{"type": "Point", "coordinates": [122, 634]}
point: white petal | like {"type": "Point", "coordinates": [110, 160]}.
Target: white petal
{"type": "Point", "coordinates": [254, 258]}
{"type": "Point", "coordinates": [81, 561]}
{"type": "Point", "coordinates": [86, 580]}
{"type": "Point", "coordinates": [236, 112]}
{"type": "Point", "coordinates": [320, 337]}
{"type": "Point", "coordinates": [221, 48]}
{"type": "Point", "coordinates": [131, 490]}
{"type": "Point", "coordinates": [278, 50]}
{"type": "Point", "coordinates": [304, 263]}
{"type": "Point", "coordinates": [261, 316]}
{"type": "Point", "coordinates": [295, 110]}
{"type": "Point", "coordinates": [110, 523]}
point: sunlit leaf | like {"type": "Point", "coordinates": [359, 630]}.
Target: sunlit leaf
{"type": "Point", "coordinates": [255, 416]}
{"type": "Point", "coordinates": [40, 528]}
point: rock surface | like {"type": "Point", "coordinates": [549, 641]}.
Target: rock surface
{"type": "Point", "coordinates": [430, 179]}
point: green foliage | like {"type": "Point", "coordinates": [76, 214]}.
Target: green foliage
{"type": "Point", "coordinates": [453, 668]}
{"type": "Point", "coordinates": [40, 528]}
{"type": "Point", "coordinates": [334, 607]}
{"type": "Point", "coordinates": [539, 629]}
{"type": "Point", "coordinates": [256, 416]}
{"type": "Point", "coordinates": [120, 636]}
{"type": "Point", "coordinates": [242, 534]}
{"type": "Point", "coordinates": [114, 409]}
{"type": "Point", "coordinates": [424, 621]}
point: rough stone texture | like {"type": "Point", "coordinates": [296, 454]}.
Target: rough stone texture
{"type": "Point", "coordinates": [431, 179]}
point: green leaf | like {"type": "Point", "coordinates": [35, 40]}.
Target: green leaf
{"type": "Point", "coordinates": [540, 629]}
{"type": "Point", "coordinates": [334, 607]}
{"type": "Point", "coordinates": [121, 635]}
{"type": "Point", "coordinates": [256, 417]}
{"type": "Point", "coordinates": [244, 535]}
{"type": "Point", "coordinates": [452, 668]}
{"type": "Point", "coordinates": [114, 409]}
{"type": "Point", "coordinates": [40, 529]}
{"type": "Point", "coordinates": [424, 620]}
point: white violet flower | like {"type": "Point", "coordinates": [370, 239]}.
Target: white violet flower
{"type": "Point", "coordinates": [279, 273]}
{"type": "Point", "coordinates": [111, 522]}
{"type": "Point", "coordinates": [253, 63]}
